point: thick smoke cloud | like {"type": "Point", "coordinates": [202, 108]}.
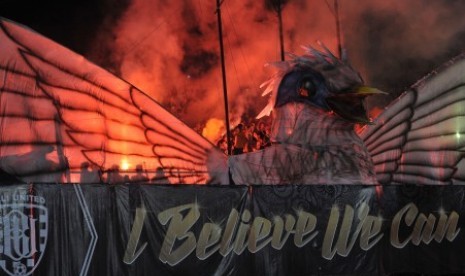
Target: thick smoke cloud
{"type": "Point", "coordinates": [170, 48]}
{"type": "Point", "coordinates": [196, 64]}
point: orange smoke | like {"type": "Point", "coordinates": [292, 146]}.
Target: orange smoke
{"type": "Point", "coordinates": [170, 49]}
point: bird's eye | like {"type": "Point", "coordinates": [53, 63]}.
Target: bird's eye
{"type": "Point", "coordinates": [307, 88]}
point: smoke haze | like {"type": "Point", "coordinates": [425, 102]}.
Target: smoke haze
{"type": "Point", "coordinates": [170, 48]}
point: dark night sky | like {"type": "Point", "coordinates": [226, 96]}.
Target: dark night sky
{"type": "Point", "coordinates": [73, 23]}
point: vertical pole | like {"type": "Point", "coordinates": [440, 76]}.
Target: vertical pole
{"type": "Point", "coordinates": [223, 71]}
{"type": "Point", "coordinates": [280, 20]}
{"type": "Point", "coordinates": [338, 27]}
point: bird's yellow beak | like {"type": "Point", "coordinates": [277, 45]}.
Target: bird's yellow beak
{"type": "Point", "coordinates": [364, 91]}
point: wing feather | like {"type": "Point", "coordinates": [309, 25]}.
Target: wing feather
{"type": "Point", "coordinates": [389, 142]}
{"type": "Point", "coordinates": [179, 143]}
{"type": "Point", "coordinates": [420, 138]}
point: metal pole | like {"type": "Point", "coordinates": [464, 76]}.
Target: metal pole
{"type": "Point", "coordinates": [338, 27]}
{"type": "Point", "coordinates": [281, 39]}
{"type": "Point", "coordinates": [223, 71]}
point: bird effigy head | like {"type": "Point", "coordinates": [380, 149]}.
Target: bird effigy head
{"type": "Point", "coordinates": [322, 80]}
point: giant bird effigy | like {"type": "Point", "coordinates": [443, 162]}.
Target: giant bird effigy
{"type": "Point", "coordinates": [383, 200]}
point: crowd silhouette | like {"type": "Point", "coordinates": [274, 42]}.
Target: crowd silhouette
{"type": "Point", "coordinates": [93, 174]}
{"type": "Point", "coordinates": [247, 137]}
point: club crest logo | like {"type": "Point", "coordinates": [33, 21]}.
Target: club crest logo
{"type": "Point", "coordinates": [23, 233]}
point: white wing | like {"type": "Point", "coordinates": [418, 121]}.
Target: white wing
{"type": "Point", "coordinates": [420, 138]}
{"type": "Point", "coordinates": [59, 111]}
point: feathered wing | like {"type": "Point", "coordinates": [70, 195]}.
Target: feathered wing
{"type": "Point", "coordinates": [60, 111]}
{"type": "Point", "coordinates": [420, 138]}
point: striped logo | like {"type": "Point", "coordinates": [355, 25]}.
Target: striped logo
{"type": "Point", "coordinates": [23, 235]}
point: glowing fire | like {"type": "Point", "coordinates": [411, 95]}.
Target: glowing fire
{"type": "Point", "coordinates": [213, 129]}
{"type": "Point", "coordinates": [125, 165]}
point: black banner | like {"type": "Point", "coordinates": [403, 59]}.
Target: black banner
{"type": "Point", "coordinates": [218, 230]}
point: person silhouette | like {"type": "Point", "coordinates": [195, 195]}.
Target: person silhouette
{"type": "Point", "coordinates": [140, 175]}
{"type": "Point", "coordinates": [90, 173]}
{"type": "Point", "coordinates": [160, 177]}
{"type": "Point", "coordinates": [113, 175]}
